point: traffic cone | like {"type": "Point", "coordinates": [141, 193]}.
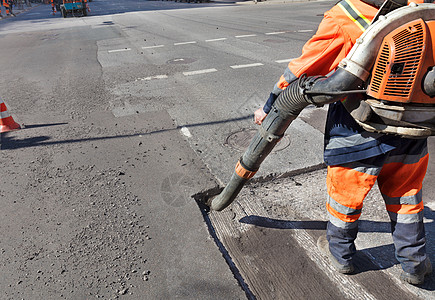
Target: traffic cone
{"type": "Point", "coordinates": [7, 123]}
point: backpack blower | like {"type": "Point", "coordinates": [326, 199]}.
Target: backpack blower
{"type": "Point", "coordinates": [388, 78]}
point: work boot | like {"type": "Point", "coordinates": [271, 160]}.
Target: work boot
{"type": "Point", "coordinates": [417, 278]}
{"type": "Point", "coordinates": [323, 245]}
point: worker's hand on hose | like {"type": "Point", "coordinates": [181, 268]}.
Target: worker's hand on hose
{"type": "Point", "coordinates": [259, 116]}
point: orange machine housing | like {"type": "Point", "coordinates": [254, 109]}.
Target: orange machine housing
{"type": "Point", "coordinates": [406, 55]}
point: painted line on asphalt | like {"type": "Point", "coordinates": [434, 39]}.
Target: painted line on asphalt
{"type": "Point", "coordinates": [246, 66]}
{"type": "Point", "coordinates": [280, 61]}
{"type": "Point", "coordinates": [152, 77]}
{"type": "Point", "coordinates": [152, 47]}
{"type": "Point", "coordinates": [119, 50]}
{"type": "Point", "coordinates": [190, 73]}
{"type": "Point", "coordinates": [184, 43]}
{"type": "Point", "coordinates": [215, 40]}
{"type": "Point", "coordinates": [184, 130]}
{"type": "Point", "coordinates": [277, 32]}
{"type": "Point", "coordinates": [246, 35]}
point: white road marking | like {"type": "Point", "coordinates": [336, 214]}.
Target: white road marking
{"type": "Point", "coordinates": [152, 77]}
{"type": "Point", "coordinates": [119, 50]}
{"type": "Point", "coordinates": [306, 30]}
{"type": "Point", "coordinates": [184, 43]}
{"type": "Point", "coordinates": [199, 72]}
{"type": "Point", "coordinates": [151, 47]}
{"type": "Point", "coordinates": [246, 66]}
{"type": "Point", "coordinates": [246, 35]}
{"type": "Point", "coordinates": [277, 32]}
{"type": "Point", "coordinates": [215, 40]}
{"type": "Point", "coordinates": [283, 60]}
{"type": "Point", "coordinates": [186, 132]}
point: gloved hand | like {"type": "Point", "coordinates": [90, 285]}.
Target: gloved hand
{"type": "Point", "coordinates": [262, 112]}
{"type": "Point", "coordinates": [259, 116]}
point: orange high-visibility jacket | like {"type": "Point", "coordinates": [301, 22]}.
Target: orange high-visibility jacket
{"type": "Point", "coordinates": [336, 35]}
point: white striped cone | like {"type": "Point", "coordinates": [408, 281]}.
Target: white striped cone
{"type": "Point", "coordinates": [7, 123]}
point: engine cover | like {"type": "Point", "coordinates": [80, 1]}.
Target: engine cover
{"type": "Point", "coordinates": [405, 58]}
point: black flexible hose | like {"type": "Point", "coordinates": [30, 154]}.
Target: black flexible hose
{"type": "Point", "coordinates": [298, 95]}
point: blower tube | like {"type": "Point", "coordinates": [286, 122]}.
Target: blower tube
{"type": "Point", "coordinates": [299, 94]}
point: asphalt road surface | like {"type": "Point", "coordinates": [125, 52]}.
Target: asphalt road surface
{"type": "Point", "coordinates": [130, 111]}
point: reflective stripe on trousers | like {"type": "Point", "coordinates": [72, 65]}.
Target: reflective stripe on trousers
{"type": "Point", "coordinates": [399, 174]}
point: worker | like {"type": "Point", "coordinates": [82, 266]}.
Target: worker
{"type": "Point", "coordinates": [53, 8]}
{"type": "Point", "coordinates": [11, 5]}
{"type": "Point", "coordinates": [87, 6]}
{"type": "Point", "coordinates": [7, 8]}
{"type": "Point", "coordinates": [356, 159]}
